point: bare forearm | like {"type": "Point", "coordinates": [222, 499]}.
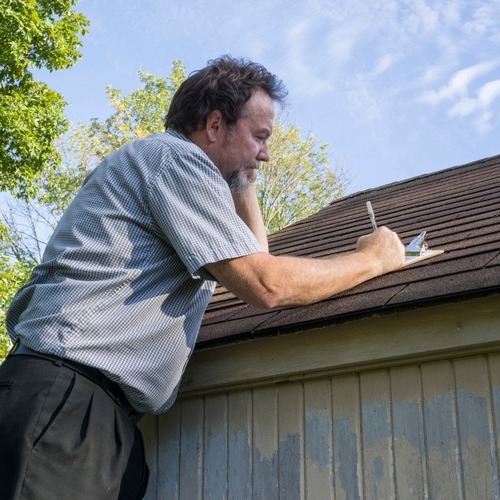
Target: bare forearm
{"type": "Point", "coordinates": [318, 279]}
{"type": "Point", "coordinates": [306, 281]}
{"type": "Point", "coordinates": [290, 281]}
{"type": "Point", "coordinates": [247, 207]}
{"type": "Point", "coordinates": [269, 282]}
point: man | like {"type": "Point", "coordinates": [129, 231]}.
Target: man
{"type": "Point", "coordinates": [108, 320]}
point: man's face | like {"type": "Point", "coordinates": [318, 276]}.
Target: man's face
{"type": "Point", "coordinates": [244, 145]}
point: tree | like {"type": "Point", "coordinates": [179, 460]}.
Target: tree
{"type": "Point", "coordinates": [13, 274]}
{"type": "Point", "coordinates": [33, 34]}
{"type": "Point", "coordinates": [296, 183]}
{"type": "Point", "coordinates": [138, 114]}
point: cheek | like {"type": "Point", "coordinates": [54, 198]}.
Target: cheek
{"type": "Point", "coordinates": [253, 150]}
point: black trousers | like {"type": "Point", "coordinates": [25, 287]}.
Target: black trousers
{"type": "Point", "coordinates": [63, 437]}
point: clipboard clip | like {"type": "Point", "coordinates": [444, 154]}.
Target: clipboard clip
{"type": "Point", "coordinates": [416, 246]}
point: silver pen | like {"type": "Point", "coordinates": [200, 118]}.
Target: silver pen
{"type": "Point", "coordinates": [371, 213]}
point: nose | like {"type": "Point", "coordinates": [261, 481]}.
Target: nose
{"type": "Point", "coordinates": [263, 154]}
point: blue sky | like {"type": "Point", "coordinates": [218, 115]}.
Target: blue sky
{"type": "Point", "coordinates": [395, 88]}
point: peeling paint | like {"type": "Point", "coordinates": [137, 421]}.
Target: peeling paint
{"type": "Point", "coordinates": [473, 418]}
{"type": "Point", "coordinates": [317, 442]}
{"type": "Point", "coordinates": [265, 475]}
{"type": "Point", "coordinates": [439, 439]}
{"type": "Point", "coordinates": [346, 457]}
{"type": "Point", "coordinates": [441, 433]}
{"type": "Point", "coordinates": [408, 423]}
{"type": "Point", "coordinates": [190, 477]}
{"type": "Point", "coordinates": [290, 467]}
{"type": "Point", "coordinates": [375, 422]}
{"type": "Point", "coordinates": [378, 469]}
{"type": "Point", "coordinates": [239, 465]}
{"type": "Point", "coordinates": [215, 466]}
{"type": "Point", "coordinates": [377, 436]}
{"type": "Point", "coordinates": [444, 472]}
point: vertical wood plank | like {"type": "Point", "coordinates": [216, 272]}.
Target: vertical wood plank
{"type": "Point", "coordinates": [476, 428]}
{"type": "Point", "coordinates": [240, 445]}
{"type": "Point", "coordinates": [347, 437]}
{"type": "Point", "coordinates": [265, 443]}
{"type": "Point", "coordinates": [149, 430]}
{"type": "Point", "coordinates": [215, 448]}
{"type": "Point", "coordinates": [444, 475]}
{"type": "Point", "coordinates": [494, 371]}
{"type": "Point", "coordinates": [291, 441]}
{"type": "Point", "coordinates": [318, 440]}
{"type": "Point", "coordinates": [377, 435]}
{"type": "Point", "coordinates": [191, 466]}
{"type": "Point", "coordinates": [408, 431]}
{"type": "Point", "coordinates": [169, 453]}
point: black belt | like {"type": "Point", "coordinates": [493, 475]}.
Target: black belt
{"type": "Point", "coordinates": [90, 373]}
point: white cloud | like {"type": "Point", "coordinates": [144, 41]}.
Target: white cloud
{"type": "Point", "coordinates": [383, 64]}
{"type": "Point", "coordinates": [340, 44]}
{"type": "Point", "coordinates": [301, 67]}
{"type": "Point", "coordinates": [364, 102]}
{"type": "Point", "coordinates": [468, 97]}
{"type": "Point", "coordinates": [484, 22]}
{"type": "Point", "coordinates": [484, 98]}
{"type": "Point", "coordinates": [378, 56]}
{"type": "Point", "coordinates": [458, 85]}
{"type": "Point", "coordinates": [424, 16]}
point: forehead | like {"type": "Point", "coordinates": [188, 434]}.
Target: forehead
{"type": "Point", "coordinates": [259, 109]}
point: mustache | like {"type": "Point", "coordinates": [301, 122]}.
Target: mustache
{"type": "Point", "coordinates": [252, 164]}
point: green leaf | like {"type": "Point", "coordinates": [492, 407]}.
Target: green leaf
{"type": "Point", "coordinates": [33, 34]}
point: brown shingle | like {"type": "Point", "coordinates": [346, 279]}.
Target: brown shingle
{"type": "Point", "coordinates": [458, 207]}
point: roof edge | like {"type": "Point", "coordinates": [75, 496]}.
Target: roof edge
{"type": "Point", "coordinates": [337, 320]}
{"type": "Point", "coordinates": [452, 169]}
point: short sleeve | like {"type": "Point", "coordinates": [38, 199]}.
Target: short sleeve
{"type": "Point", "coordinates": [193, 206]}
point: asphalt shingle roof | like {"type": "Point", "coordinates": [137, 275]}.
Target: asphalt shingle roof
{"type": "Point", "coordinates": [458, 207]}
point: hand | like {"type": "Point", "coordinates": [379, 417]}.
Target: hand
{"type": "Point", "coordinates": [247, 207]}
{"type": "Point", "coordinates": [383, 246]}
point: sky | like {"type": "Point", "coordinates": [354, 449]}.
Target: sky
{"type": "Point", "coordinates": [396, 88]}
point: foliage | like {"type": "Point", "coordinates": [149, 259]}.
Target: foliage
{"type": "Point", "coordinates": [58, 184]}
{"type": "Point", "coordinates": [33, 34]}
{"type": "Point", "coordinates": [138, 114]}
{"type": "Point", "coordinates": [13, 274]}
{"type": "Point", "coordinates": [298, 180]}
{"type": "Point", "coordinates": [25, 227]}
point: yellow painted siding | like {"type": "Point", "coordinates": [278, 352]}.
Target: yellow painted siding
{"type": "Point", "coordinates": [428, 430]}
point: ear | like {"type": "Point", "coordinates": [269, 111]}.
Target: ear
{"type": "Point", "coordinates": [213, 125]}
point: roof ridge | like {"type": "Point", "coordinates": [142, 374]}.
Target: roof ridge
{"type": "Point", "coordinates": [448, 170]}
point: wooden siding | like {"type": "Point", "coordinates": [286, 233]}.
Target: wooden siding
{"type": "Point", "coordinates": [420, 431]}
{"type": "Point", "coordinates": [408, 408]}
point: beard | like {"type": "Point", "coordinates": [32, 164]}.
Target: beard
{"type": "Point", "coordinates": [239, 181]}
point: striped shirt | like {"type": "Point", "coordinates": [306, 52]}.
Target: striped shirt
{"type": "Point", "coordinates": [122, 286]}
